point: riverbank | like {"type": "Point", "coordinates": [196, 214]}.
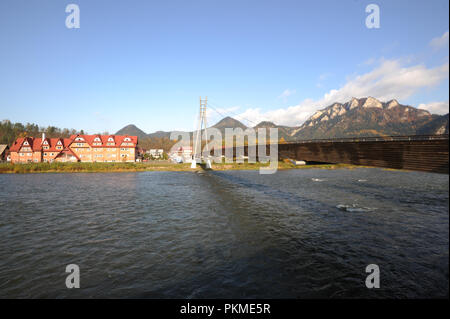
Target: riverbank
{"type": "Point", "coordinates": [8, 168]}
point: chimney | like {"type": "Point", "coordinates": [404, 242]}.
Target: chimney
{"type": "Point", "coordinates": [43, 137]}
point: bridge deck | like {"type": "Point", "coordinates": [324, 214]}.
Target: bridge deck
{"type": "Point", "coordinates": [419, 153]}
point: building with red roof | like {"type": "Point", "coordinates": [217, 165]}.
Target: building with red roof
{"type": "Point", "coordinates": [77, 148]}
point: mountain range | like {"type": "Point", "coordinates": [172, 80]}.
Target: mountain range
{"type": "Point", "coordinates": [361, 117]}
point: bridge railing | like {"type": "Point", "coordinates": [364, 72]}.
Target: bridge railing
{"type": "Point", "coordinates": [375, 139]}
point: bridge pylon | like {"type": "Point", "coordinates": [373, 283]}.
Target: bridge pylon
{"type": "Point", "coordinates": [201, 126]}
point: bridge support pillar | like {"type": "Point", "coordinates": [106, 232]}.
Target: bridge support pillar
{"type": "Point", "coordinates": [208, 164]}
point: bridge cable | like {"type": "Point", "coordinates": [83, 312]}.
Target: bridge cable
{"type": "Point", "coordinates": [232, 113]}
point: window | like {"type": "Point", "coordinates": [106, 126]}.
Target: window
{"type": "Point", "coordinates": [127, 139]}
{"type": "Point", "coordinates": [51, 154]}
{"type": "Point", "coordinates": [29, 154]}
{"type": "Point", "coordinates": [110, 139]}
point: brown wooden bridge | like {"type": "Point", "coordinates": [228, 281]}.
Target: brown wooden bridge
{"type": "Point", "coordinates": [428, 153]}
{"type": "Point", "coordinates": [418, 153]}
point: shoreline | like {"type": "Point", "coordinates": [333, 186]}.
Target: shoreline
{"type": "Point", "coordinates": [8, 168]}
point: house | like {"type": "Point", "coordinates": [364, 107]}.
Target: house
{"type": "Point", "coordinates": [4, 151]}
{"type": "Point", "coordinates": [77, 148]}
{"type": "Point", "coordinates": [155, 153]}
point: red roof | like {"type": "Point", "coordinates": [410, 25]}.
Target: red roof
{"type": "Point", "coordinates": [17, 144]}
{"type": "Point", "coordinates": [36, 143]}
{"type": "Point", "coordinates": [118, 140]}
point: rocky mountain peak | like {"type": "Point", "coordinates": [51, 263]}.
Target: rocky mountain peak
{"type": "Point", "coordinates": [353, 103]}
{"type": "Point", "coordinates": [372, 102]}
{"type": "Point", "coordinates": [392, 103]}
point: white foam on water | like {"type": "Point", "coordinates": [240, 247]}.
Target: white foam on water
{"type": "Point", "coordinates": [354, 208]}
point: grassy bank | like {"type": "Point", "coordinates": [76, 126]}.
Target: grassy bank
{"type": "Point", "coordinates": [135, 167]}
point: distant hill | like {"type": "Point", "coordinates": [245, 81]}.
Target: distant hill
{"type": "Point", "coordinates": [228, 122]}
{"type": "Point", "coordinates": [132, 130]}
{"type": "Point", "coordinates": [356, 118]}
{"type": "Point", "coordinates": [159, 134]}
{"type": "Point", "coordinates": [439, 125]}
{"type": "Point", "coordinates": [283, 131]}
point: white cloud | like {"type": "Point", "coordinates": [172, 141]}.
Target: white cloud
{"type": "Point", "coordinates": [286, 93]}
{"type": "Point", "coordinates": [369, 61]}
{"type": "Point", "coordinates": [440, 42]}
{"type": "Point", "coordinates": [435, 107]}
{"type": "Point", "coordinates": [390, 79]}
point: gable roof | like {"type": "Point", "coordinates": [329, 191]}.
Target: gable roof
{"type": "Point", "coordinates": [17, 144]}
{"type": "Point", "coordinates": [3, 147]}
{"type": "Point", "coordinates": [67, 150]}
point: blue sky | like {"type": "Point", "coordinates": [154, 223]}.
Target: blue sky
{"type": "Point", "coordinates": [147, 62]}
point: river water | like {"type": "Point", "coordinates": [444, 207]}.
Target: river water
{"type": "Point", "coordinates": [235, 234]}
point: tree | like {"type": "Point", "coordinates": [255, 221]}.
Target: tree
{"type": "Point", "coordinates": [9, 132]}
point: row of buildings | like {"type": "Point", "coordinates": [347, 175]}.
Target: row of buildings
{"type": "Point", "coordinates": [76, 148]}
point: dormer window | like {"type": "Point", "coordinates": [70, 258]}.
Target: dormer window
{"type": "Point", "coordinates": [26, 143]}
{"type": "Point", "coordinates": [79, 139]}
{"type": "Point", "coordinates": [59, 143]}
{"type": "Point", "coordinates": [110, 139]}
{"type": "Point", "coordinates": [127, 139]}
{"type": "Point", "coordinates": [45, 143]}
{"type": "Point", "coordinates": [97, 139]}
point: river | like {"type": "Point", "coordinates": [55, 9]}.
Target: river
{"type": "Point", "coordinates": [307, 233]}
